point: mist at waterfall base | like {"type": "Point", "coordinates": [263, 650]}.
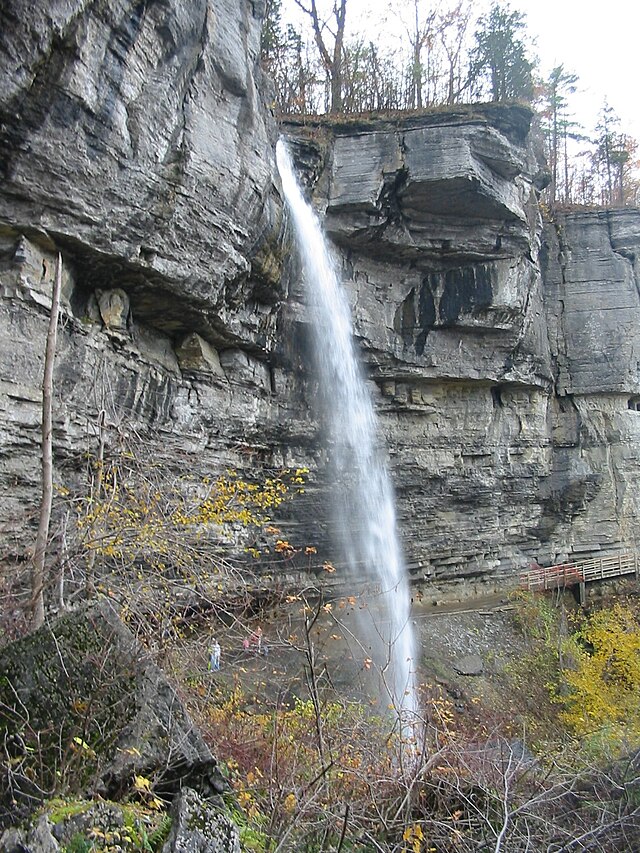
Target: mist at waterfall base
{"type": "Point", "coordinates": [362, 497]}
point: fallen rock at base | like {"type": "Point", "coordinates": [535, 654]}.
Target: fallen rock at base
{"type": "Point", "coordinates": [36, 839]}
{"type": "Point", "coordinates": [194, 825]}
{"type": "Point", "coordinates": [197, 827]}
{"type": "Point", "coordinates": [469, 665]}
{"type": "Point", "coordinates": [88, 711]}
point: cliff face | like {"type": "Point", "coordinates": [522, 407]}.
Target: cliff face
{"type": "Point", "coordinates": [137, 133]}
{"type": "Point", "coordinates": [135, 139]}
{"type": "Point", "coordinates": [592, 304]}
{"type": "Point", "coordinates": [502, 354]}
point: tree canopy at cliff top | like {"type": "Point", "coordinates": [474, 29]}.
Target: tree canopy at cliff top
{"type": "Point", "coordinates": [415, 55]}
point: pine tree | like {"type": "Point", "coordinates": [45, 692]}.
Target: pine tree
{"type": "Point", "coordinates": [499, 57]}
{"type": "Point", "coordinates": [558, 126]}
{"type": "Point", "coordinates": [612, 155]}
{"type": "Point", "coordinates": [271, 40]}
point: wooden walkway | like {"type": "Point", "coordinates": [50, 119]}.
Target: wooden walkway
{"type": "Point", "coordinates": [570, 574]}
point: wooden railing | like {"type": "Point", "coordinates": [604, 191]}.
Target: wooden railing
{"type": "Point", "coordinates": [570, 574]}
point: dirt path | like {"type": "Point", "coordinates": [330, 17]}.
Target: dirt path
{"type": "Point", "coordinates": [481, 626]}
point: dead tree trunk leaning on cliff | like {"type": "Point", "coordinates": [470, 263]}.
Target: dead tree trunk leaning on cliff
{"type": "Point", "coordinates": [40, 551]}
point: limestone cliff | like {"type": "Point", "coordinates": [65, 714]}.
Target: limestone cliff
{"type": "Point", "coordinates": [136, 139]}
{"type": "Point", "coordinates": [503, 355]}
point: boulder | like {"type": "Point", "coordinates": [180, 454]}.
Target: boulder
{"type": "Point", "coordinates": [469, 665]}
{"type": "Point", "coordinates": [86, 709]}
{"type": "Point", "coordinates": [196, 827]}
{"type": "Point", "coordinates": [193, 825]}
{"type": "Point", "coordinates": [196, 354]}
{"type": "Point", "coordinates": [36, 838]}
{"type": "Point", "coordinates": [114, 309]}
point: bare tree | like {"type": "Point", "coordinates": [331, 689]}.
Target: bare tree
{"type": "Point", "coordinates": [420, 32]}
{"type": "Point", "coordinates": [331, 55]}
{"type": "Point", "coordinates": [452, 30]}
{"type": "Point", "coordinates": [40, 551]}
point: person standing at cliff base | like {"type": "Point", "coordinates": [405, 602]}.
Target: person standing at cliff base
{"type": "Point", "coordinates": [214, 656]}
{"type": "Point", "coordinates": [256, 640]}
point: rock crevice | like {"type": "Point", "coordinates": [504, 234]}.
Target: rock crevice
{"type": "Point", "coordinates": [502, 357]}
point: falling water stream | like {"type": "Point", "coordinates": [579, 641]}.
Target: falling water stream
{"type": "Point", "coordinates": [363, 502]}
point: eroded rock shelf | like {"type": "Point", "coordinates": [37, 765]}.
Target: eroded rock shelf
{"type": "Point", "coordinates": [502, 351]}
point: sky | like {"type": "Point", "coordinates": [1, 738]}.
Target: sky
{"type": "Point", "coordinates": [598, 41]}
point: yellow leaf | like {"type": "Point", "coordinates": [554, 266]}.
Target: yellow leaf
{"type": "Point", "coordinates": [141, 783]}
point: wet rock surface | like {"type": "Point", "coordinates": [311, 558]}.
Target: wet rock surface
{"type": "Point", "coordinates": [501, 359]}
{"type": "Point", "coordinates": [501, 356]}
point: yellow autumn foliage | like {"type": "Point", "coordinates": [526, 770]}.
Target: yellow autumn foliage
{"type": "Point", "coordinates": [135, 518]}
{"type": "Point", "coordinates": [604, 683]}
{"type": "Point", "coordinates": [414, 836]}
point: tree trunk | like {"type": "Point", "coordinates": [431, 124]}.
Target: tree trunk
{"type": "Point", "coordinates": [40, 551]}
{"type": "Point", "coordinates": [332, 62]}
{"type": "Point", "coordinates": [340, 12]}
{"type": "Point", "coordinates": [417, 75]}
{"type": "Point", "coordinates": [336, 90]}
{"type": "Point", "coordinates": [553, 188]}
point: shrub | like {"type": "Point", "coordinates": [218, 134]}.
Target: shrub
{"type": "Point", "coordinates": [604, 684]}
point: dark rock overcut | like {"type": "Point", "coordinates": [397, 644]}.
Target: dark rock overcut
{"type": "Point", "coordinates": [139, 141]}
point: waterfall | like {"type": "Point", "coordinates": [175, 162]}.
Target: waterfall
{"type": "Point", "coordinates": [363, 502]}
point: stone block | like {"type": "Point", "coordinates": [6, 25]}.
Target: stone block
{"type": "Point", "coordinates": [194, 353]}
{"type": "Point", "coordinates": [114, 309]}
{"type": "Point", "coordinates": [85, 701]}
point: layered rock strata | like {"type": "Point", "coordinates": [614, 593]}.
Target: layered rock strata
{"type": "Point", "coordinates": [502, 358]}
{"type": "Point", "coordinates": [137, 141]}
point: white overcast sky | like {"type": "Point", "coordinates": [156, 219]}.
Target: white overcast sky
{"type": "Point", "coordinates": [598, 41]}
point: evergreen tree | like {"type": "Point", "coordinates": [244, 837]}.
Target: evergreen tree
{"type": "Point", "coordinates": [271, 40]}
{"type": "Point", "coordinates": [559, 127]}
{"type": "Point", "coordinates": [611, 155]}
{"type": "Point", "coordinates": [499, 57]}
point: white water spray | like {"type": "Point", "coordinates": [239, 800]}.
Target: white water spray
{"type": "Point", "coordinates": [364, 506]}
